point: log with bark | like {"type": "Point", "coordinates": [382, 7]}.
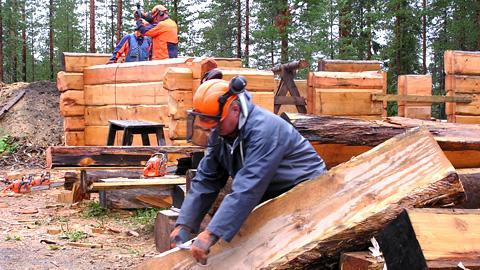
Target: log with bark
{"type": "Point", "coordinates": [105, 156]}
{"type": "Point", "coordinates": [412, 242]}
{"type": "Point", "coordinates": [137, 198]}
{"type": "Point", "coordinates": [337, 139]}
{"type": "Point", "coordinates": [312, 223]}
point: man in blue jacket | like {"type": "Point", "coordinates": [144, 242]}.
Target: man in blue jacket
{"type": "Point", "coordinates": [135, 47]}
{"type": "Point", "coordinates": [265, 156]}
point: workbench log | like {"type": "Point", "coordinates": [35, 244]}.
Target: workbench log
{"type": "Point", "coordinates": [314, 222]}
{"type": "Point", "coordinates": [337, 139]}
{"type": "Point", "coordinates": [106, 156]}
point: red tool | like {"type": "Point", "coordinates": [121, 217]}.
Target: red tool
{"type": "Point", "coordinates": [156, 166]}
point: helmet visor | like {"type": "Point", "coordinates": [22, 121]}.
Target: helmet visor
{"type": "Point", "coordinates": [202, 129]}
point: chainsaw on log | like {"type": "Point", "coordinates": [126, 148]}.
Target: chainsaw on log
{"type": "Point", "coordinates": [156, 166]}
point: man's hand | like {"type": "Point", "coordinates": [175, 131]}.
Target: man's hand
{"type": "Point", "coordinates": [201, 246]}
{"type": "Point", "coordinates": [179, 235]}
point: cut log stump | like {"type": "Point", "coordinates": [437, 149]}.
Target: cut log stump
{"type": "Point", "coordinates": [315, 221]}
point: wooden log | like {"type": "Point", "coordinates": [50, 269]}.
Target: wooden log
{"type": "Point", "coordinates": [156, 201]}
{"type": "Point", "coordinates": [201, 65]}
{"type": "Point", "coordinates": [228, 62]}
{"type": "Point", "coordinates": [164, 225]}
{"type": "Point", "coordinates": [178, 79]}
{"type": "Point", "coordinates": [74, 138]}
{"type": "Point", "coordinates": [418, 112]}
{"type": "Point", "coordinates": [257, 80]}
{"type": "Point", "coordinates": [462, 84]}
{"type": "Point", "coordinates": [70, 179]}
{"type": "Point", "coordinates": [361, 260]}
{"type": "Point", "coordinates": [466, 119]}
{"type": "Point", "coordinates": [151, 93]}
{"type": "Point", "coordinates": [315, 221]}
{"type": "Point", "coordinates": [335, 65]}
{"type": "Point", "coordinates": [130, 183]}
{"type": "Point", "coordinates": [472, 108]}
{"type": "Point", "coordinates": [263, 99]}
{"type": "Point", "coordinates": [418, 85]}
{"type": "Point", "coordinates": [72, 103]}
{"type": "Point", "coordinates": [346, 102]}
{"type": "Point", "coordinates": [349, 80]}
{"type": "Point", "coordinates": [77, 62]}
{"type": "Point", "coordinates": [100, 115]}
{"type": "Point", "coordinates": [178, 129]}
{"type": "Point", "coordinates": [462, 63]}
{"type": "Point", "coordinates": [74, 123]}
{"type": "Point", "coordinates": [128, 199]}
{"type": "Point", "coordinates": [151, 71]}
{"type": "Point", "coordinates": [88, 177]}
{"type": "Point", "coordinates": [69, 81]}
{"type": "Point", "coordinates": [470, 179]}
{"type": "Point", "coordinates": [337, 139]}
{"type": "Point", "coordinates": [178, 104]}
{"type": "Point", "coordinates": [62, 156]}
{"type": "Point", "coordinates": [411, 242]}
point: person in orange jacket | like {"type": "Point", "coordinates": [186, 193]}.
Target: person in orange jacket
{"type": "Point", "coordinates": [162, 30]}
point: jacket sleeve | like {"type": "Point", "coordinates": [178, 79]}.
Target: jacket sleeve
{"type": "Point", "coordinates": [155, 30]}
{"type": "Point", "coordinates": [144, 28]}
{"type": "Point", "coordinates": [204, 189]}
{"type": "Point", "coordinates": [262, 158]}
{"type": "Point", "coordinates": [122, 47]}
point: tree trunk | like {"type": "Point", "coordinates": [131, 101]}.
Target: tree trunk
{"type": "Point", "coordinates": [369, 25]}
{"type": "Point", "coordinates": [314, 222]}
{"type": "Point", "coordinates": [175, 11]}
{"type": "Point", "coordinates": [13, 34]}
{"type": "Point", "coordinates": [92, 26]}
{"type": "Point", "coordinates": [345, 25]}
{"type": "Point", "coordinates": [239, 29]}
{"type": "Point", "coordinates": [24, 43]}
{"type": "Point", "coordinates": [32, 51]}
{"type": "Point", "coordinates": [51, 38]}
{"type": "Point", "coordinates": [398, 39]}
{"type": "Point", "coordinates": [247, 33]}
{"type": "Point", "coordinates": [282, 22]}
{"type": "Point", "coordinates": [119, 20]}
{"type": "Point", "coordinates": [424, 34]}
{"type": "Point", "coordinates": [1, 42]}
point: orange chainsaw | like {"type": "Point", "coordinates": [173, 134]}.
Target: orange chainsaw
{"type": "Point", "coordinates": [156, 166]}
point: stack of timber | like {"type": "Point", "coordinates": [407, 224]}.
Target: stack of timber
{"type": "Point", "coordinates": [462, 71]}
{"type": "Point", "coordinates": [418, 85]}
{"type": "Point", "coordinates": [346, 93]}
{"type": "Point", "coordinates": [314, 222]}
{"type": "Point", "coordinates": [336, 65]}
{"type": "Point", "coordinates": [337, 139]}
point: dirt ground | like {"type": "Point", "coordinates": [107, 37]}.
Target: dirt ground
{"type": "Point", "coordinates": [25, 221]}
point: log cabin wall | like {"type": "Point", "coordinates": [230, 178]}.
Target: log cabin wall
{"type": "Point", "coordinates": [462, 78]}
{"type": "Point", "coordinates": [418, 85]}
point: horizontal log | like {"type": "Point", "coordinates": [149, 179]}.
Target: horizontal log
{"type": "Point", "coordinates": [74, 138]}
{"type": "Point", "coordinates": [335, 65]}
{"type": "Point", "coordinates": [411, 242]}
{"type": "Point", "coordinates": [129, 198]}
{"type": "Point", "coordinates": [77, 62]}
{"type": "Point", "coordinates": [472, 108]}
{"type": "Point", "coordinates": [257, 80]}
{"type": "Point", "coordinates": [350, 80]}
{"type": "Point", "coordinates": [72, 103]}
{"type": "Point", "coordinates": [133, 72]}
{"type": "Point", "coordinates": [462, 84]}
{"type": "Point", "coordinates": [95, 174]}
{"type": "Point", "coordinates": [69, 81]}
{"type": "Point", "coordinates": [201, 65]}
{"type": "Point", "coordinates": [228, 62]}
{"type": "Point", "coordinates": [465, 119]}
{"type": "Point", "coordinates": [151, 93]}
{"type": "Point", "coordinates": [263, 99]}
{"type": "Point", "coordinates": [315, 221]}
{"type": "Point", "coordinates": [414, 98]}
{"type": "Point", "coordinates": [346, 102]}
{"type": "Point", "coordinates": [178, 129]}
{"type": "Point", "coordinates": [74, 123]}
{"type": "Point", "coordinates": [462, 63]}
{"type": "Point", "coordinates": [178, 104]}
{"type": "Point", "coordinates": [418, 112]}
{"type": "Point", "coordinates": [178, 79]}
{"type": "Point", "coordinates": [125, 183]}
{"type": "Point", "coordinates": [63, 156]}
{"type": "Point", "coordinates": [100, 115]}
{"type": "Point", "coordinates": [354, 135]}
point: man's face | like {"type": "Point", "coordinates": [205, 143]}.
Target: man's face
{"type": "Point", "coordinates": [229, 125]}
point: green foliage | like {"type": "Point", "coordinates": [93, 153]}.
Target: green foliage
{"type": "Point", "coordinates": [74, 236]}
{"type": "Point", "coordinates": [145, 217]}
{"type": "Point", "coordinates": [12, 238]}
{"type": "Point", "coordinates": [94, 209]}
{"type": "Point", "coordinates": [7, 145]}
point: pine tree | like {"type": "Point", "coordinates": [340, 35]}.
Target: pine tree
{"type": "Point", "coordinates": [1, 41]}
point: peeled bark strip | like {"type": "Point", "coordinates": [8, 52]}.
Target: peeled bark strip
{"type": "Point", "coordinates": [315, 221]}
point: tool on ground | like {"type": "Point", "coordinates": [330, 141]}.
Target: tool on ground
{"type": "Point", "coordinates": [31, 183]}
{"type": "Point", "coordinates": [156, 166]}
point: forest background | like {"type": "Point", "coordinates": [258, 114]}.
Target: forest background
{"type": "Point", "coordinates": [409, 37]}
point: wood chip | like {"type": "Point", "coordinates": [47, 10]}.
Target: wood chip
{"type": "Point", "coordinates": [114, 230]}
{"type": "Point", "coordinates": [54, 231]}
{"type": "Point", "coordinates": [26, 211]}
{"type": "Point", "coordinates": [86, 245]}
{"type": "Point", "coordinates": [98, 230]}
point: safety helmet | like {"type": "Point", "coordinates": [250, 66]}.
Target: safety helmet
{"type": "Point", "coordinates": [206, 99]}
{"type": "Point", "coordinates": [159, 10]}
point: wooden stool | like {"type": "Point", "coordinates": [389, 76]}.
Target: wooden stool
{"type": "Point", "coordinates": [131, 127]}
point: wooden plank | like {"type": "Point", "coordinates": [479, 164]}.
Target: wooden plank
{"type": "Point", "coordinates": [72, 103]}
{"type": "Point", "coordinates": [151, 93]}
{"type": "Point", "coordinates": [350, 80]}
{"type": "Point", "coordinates": [100, 115]}
{"type": "Point", "coordinates": [128, 198]}
{"type": "Point", "coordinates": [411, 242]}
{"type": "Point", "coordinates": [228, 62]}
{"type": "Point", "coordinates": [472, 108]}
{"type": "Point", "coordinates": [335, 65]}
{"type": "Point", "coordinates": [62, 156]}
{"type": "Point", "coordinates": [462, 63]}
{"type": "Point", "coordinates": [263, 99]}
{"type": "Point", "coordinates": [346, 102]}
{"type": "Point", "coordinates": [178, 104]}
{"type": "Point", "coordinates": [465, 119]}
{"type": "Point", "coordinates": [178, 79]}
{"type": "Point", "coordinates": [164, 224]}
{"type": "Point", "coordinates": [178, 129]}
{"type": "Point", "coordinates": [156, 201]}
{"type": "Point", "coordinates": [74, 123]}
{"type": "Point", "coordinates": [11, 102]}
{"type": "Point", "coordinates": [462, 84]}
{"type": "Point", "coordinates": [77, 62]}
{"type": "Point", "coordinates": [423, 99]}
{"type": "Point", "coordinates": [74, 138]}
{"type": "Point", "coordinates": [127, 183]}
{"type": "Point", "coordinates": [151, 71]}
{"type": "Point", "coordinates": [257, 80]}
{"type": "Point", "coordinates": [362, 260]}
{"type": "Point", "coordinates": [318, 219]}
{"type": "Point", "coordinates": [69, 81]}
